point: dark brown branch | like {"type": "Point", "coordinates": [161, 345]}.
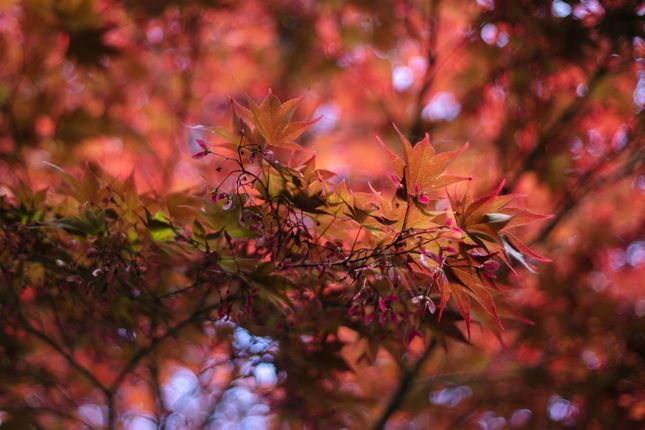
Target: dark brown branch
{"type": "Point", "coordinates": [28, 411]}
{"type": "Point", "coordinates": [556, 126]}
{"type": "Point", "coordinates": [156, 342]}
{"type": "Point", "coordinates": [572, 200]}
{"type": "Point", "coordinates": [67, 356]}
{"type": "Point", "coordinates": [405, 383]}
{"type": "Point", "coordinates": [416, 128]}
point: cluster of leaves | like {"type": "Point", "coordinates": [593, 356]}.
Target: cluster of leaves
{"type": "Point", "coordinates": [278, 246]}
{"type": "Point", "coordinates": [392, 253]}
{"type": "Point", "coordinates": [550, 94]}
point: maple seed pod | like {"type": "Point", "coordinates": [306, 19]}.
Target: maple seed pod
{"type": "Point", "coordinates": [497, 218]}
{"type": "Point", "coordinates": [201, 154]}
{"type": "Point", "coordinates": [228, 204]}
{"type": "Point", "coordinates": [202, 144]}
{"type": "Point", "coordinates": [431, 307]}
{"type": "Point", "coordinates": [418, 299]}
{"type": "Point", "coordinates": [490, 266]}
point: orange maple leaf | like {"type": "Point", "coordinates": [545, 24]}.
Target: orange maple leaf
{"type": "Point", "coordinates": [486, 221]}
{"type": "Point", "coordinates": [273, 120]}
{"type": "Point", "coordinates": [421, 167]}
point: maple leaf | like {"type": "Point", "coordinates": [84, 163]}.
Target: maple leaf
{"type": "Point", "coordinates": [465, 283]}
{"type": "Point", "coordinates": [273, 120]}
{"type": "Point", "coordinates": [311, 173]}
{"type": "Point", "coordinates": [421, 168]}
{"type": "Point", "coordinates": [460, 277]}
{"type": "Point", "coordinates": [356, 205]}
{"type": "Point", "coordinates": [486, 222]}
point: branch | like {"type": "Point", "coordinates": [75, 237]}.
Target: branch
{"type": "Point", "coordinates": [29, 411]}
{"type": "Point", "coordinates": [404, 386]}
{"type": "Point", "coordinates": [428, 80]}
{"type": "Point", "coordinates": [572, 200]}
{"type": "Point", "coordinates": [551, 132]}
{"type": "Point", "coordinates": [143, 352]}
{"type": "Point", "coordinates": [67, 356]}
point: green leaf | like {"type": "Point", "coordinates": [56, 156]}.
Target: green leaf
{"type": "Point", "coordinates": [198, 230]}
{"type": "Point", "coordinates": [90, 223]}
{"type": "Point", "coordinates": [159, 228]}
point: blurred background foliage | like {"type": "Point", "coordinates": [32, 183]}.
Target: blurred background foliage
{"type": "Point", "coordinates": [550, 95]}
